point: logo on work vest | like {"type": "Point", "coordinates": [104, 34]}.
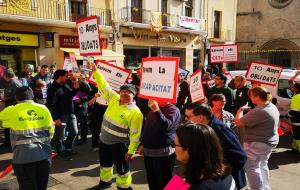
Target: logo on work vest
{"type": "Point", "coordinates": [32, 116]}
{"type": "Point", "coordinates": [122, 116]}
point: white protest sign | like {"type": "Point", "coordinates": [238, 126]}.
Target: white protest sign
{"type": "Point", "coordinates": [216, 54]}
{"type": "Point", "coordinates": [263, 73]}
{"type": "Point", "coordinates": [89, 36]}
{"type": "Point", "coordinates": [210, 83]}
{"type": "Point", "coordinates": [231, 53]}
{"type": "Point", "coordinates": [184, 73]}
{"type": "Point", "coordinates": [224, 53]}
{"type": "Point", "coordinates": [192, 23]}
{"type": "Point", "coordinates": [115, 76]}
{"type": "Point", "coordinates": [68, 64]}
{"type": "Point", "coordinates": [196, 88]}
{"type": "Point", "coordinates": [159, 78]}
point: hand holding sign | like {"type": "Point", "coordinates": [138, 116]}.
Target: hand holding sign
{"type": "Point", "coordinates": [153, 105]}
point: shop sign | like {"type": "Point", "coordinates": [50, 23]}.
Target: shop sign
{"type": "Point", "coordinates": [68, 41]}
{"type": "Point", "coordinates": [192, 23]}
{"type": "Point", "coordinates": [224, 53]}
{"type": "Point", "coordinates": [89, 36]}
{"type": "Point", "coordinates": [154, 70]}
{"type": "Point", "coordinates": [19, 39]}
{"type": "Point", "coordinates": [160, 37]}
{"type": "Point", "coordinates": [196, 87]}
{"type": "Point", "coordinates": [263, 73]}
{"type": "Point", "coordinates": [73, 42]}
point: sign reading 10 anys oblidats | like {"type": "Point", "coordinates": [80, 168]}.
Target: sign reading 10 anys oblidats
{"type": "Point", "coordinates": [263, 73]}
{"type": "Point", "coordinates": [89, 36]}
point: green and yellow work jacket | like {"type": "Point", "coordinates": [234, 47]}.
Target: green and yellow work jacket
{"type": "Point", "coordinates": [121, 123]}
{"type": "Point", "coordinates": [31, 129]}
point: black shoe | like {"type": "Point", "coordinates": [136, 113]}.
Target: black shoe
{"type": "Point", "coordinates": [101, 186]}
{"type": "Point", "coordinates": [129, 188]}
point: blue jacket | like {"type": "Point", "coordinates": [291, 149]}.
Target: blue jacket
{"type": "Point", "coordinates": [160, 127]}
{"type": "Point", "coordinates": [233, 151]}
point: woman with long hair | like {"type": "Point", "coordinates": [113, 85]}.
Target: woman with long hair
{"type": "Point", "coordinates": [261, 136]}
{"type": "Point", "coordinates": [198, 148]}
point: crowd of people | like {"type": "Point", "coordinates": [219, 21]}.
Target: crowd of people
{"type": "Point", "coordinates": [218, 141]}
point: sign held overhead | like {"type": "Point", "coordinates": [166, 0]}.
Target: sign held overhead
{"type": "Point", "coordinates": [89, 36]}
{"type": "Point", "coordinates": [263, 73]}
{"type": "Point", "coordinates": [224, 53]}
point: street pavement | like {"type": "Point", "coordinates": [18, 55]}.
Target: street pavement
{"type": "Point", "coordinates": [83, 171]}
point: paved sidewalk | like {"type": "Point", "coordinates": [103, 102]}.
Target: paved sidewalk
{"type": "Point", "coordinates": [83, 172]}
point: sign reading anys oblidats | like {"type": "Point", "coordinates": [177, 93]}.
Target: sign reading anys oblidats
{"type": "Point", "coordinates": [89, 36]}
{"type": "Point", "coordinates": [263, 73]}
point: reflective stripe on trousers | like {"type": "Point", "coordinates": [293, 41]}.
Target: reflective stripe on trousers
{"type": "Point", "coordinates": [106, 174]}
{"type": "Point", "coordinates": [124, 181]}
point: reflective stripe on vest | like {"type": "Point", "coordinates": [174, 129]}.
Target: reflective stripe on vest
{"type": "Point", "coordinates": [107, 120]}
{"type": "Point", "coordinates": [115, 133]}
{"type": "Point", "coordinates": [32, 140]}
{"type": "Point", "coordinates": [28, 131]}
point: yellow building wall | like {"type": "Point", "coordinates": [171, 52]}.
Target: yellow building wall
{"type": "Point", "coordinates": [47, 9]}
{"type": "Point", "coordinates": [228, 18]}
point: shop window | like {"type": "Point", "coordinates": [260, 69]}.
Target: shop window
{"type": "Point", "coordinates": [189, 8]}
{"type": "Point", "coordinates": [217, 24]}
{"type": "Point", "coordinates": [78, 10]}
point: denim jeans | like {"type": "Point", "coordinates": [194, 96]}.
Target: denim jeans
{"type": "Point", "coordinates": [256, 167]}
{"type": "Point", "coordinates": [60, 131]}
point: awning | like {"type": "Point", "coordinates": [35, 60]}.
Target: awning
{"type": "Point", "coordinates": [106, 54]}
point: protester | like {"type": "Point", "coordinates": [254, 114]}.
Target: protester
{"type": "Point", "coordinates": [96, 110]}
{"type": "Point", "coordinates": [11, 84]}
{"type": "Point", "coordinates": [82, 94]}
{"type": "Point", "coordinates": [60, 104]}
{"type": "Point", "coordinates": [32, 128]}
{"type": "Point", "coordinates": [261, 136]}
{"type": "Point", "coordinates": [234, 154]}
{"type": "Point", "coordinates": [202, 169]}
{"type": "Point", "coordinates": [184, 92]}
{"type": "Point", "coordinates": [52, 71]}
{"type": "Point", "coordinates": [39, 92]}
{"type": "Point", "coordinates": [294, 113]}
{"type": "Point", "coordinates": [241, 93]}
{"type": "Point", "coordinates": [221, 88]}
{"type": "Point", "coordinates": [43, 75]}
{"type": "Point", "coordinates": [217, 103]}
{"type": "Point", "coordinates": [120, 132]}
{"type": "Point", "coordinates": [158, 134]}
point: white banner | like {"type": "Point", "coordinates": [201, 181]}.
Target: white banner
{"type": "Point", "coordinates": [89, 36]}
{"type": "Point", "coordinates": [196, 88]}
{"type": "Point", "coordinates": [159, 78]}
{"type": "Point", "coordinates": [192, 23]}
{"type": "Point", "coordinates": [224, 53]}
{"type": "Point", "coordinates": [263, 73]}
{"type": "Point", "coordinates": [115, 76]}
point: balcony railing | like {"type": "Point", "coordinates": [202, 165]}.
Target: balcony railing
{"type": "Point", "coordinates": [133, 14]}
{"type": "Point", "coordinates": [54, 10]}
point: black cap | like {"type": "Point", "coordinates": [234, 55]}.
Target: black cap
{"type": "Point", "coordinates": [24, 93]}
{"type": "Point", "coordinates": [129, 87]}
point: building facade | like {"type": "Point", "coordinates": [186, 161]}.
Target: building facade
{"type": "Point", "coordinates": [182, 33]}
{"type": "Point", "coordinates": [36, 31]}
{"type": "Point", "coordinates": [267, 31]}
